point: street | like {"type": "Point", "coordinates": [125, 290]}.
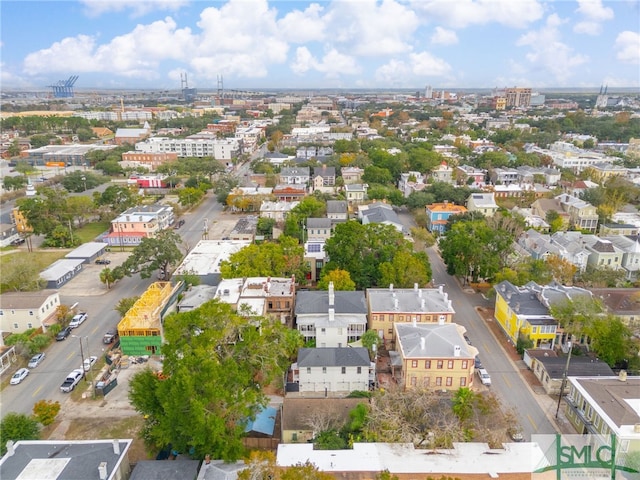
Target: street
{"type": "Point", "coordinates": [506, 381]}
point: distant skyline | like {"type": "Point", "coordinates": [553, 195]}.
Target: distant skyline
{"type": "Point", "coordinates": [253, 44]}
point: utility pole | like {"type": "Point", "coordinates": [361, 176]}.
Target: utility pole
{"type": "Point", "coordinates": [564, 377]}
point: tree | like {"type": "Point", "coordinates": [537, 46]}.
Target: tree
{"type": "Point", "coordinates": [215, 364]}
{"type": "Point", "coordinates": [108, 277]}
{"type": "Point", "coordinates": [125, 304]}
{"type": "Point", "coordinates": [21, 274]}
{"type": "Point", "coordinates": [463, 403]}
{"type": "Point", "coordinates": [405, 270]}
{"type": "Point", "coordinates": [340, 278]}
{"type": "Point", "coordinates": [371, 340]}
{"type": "Point", "coordinates": [554, 220]}
{"type": "Point", "coordinates": [261, 465]}
{"type": "Point", "coordinates": [158, 253]}
{"type": "Point", "coordinates": [190, 196]}
{"type": "Point", "coordinates": [46, 411]}
{"type": "Point", "coordinates": [611, 340]}
{"type": "Point", "coordinates": [80, 208]}
{"type": "Point", "coordinates": [17, 426]}
{"type": "Point", "coordinates": [110, 167]}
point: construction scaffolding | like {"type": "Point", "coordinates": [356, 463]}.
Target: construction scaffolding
{"type": "Point", "coordinates": [64, 88]}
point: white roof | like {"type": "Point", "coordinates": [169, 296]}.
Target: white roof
{"type": "Point", "coordinates": [206, 256]}
{"type": "Point", "coordinates": [87, 250]}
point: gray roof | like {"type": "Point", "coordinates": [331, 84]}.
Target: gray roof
{"type": "Point", "coordinates": [179, 469]}
{"type": "Point", "coordinates": [439, 340]}
{"type": "Point", "coordinates": [318, 302]}
{"type": "Point", "coordinates": [333, 357]}
{"type": "Point", "coordinates": [484, 200]}
{"type": "Point", "coordinates": [294, 171]}
{"type": "Point", "coordinates": [433, 300]}
{"type": "Point", "coordinates": [533, 300]}
{"type": "Point", "coordinates": [60, 268]}
{"type": "Point", "coordinates": [578, 366]}
{"type": "Point", "coordinates": [324, 171]}
{"type": "Point", "coordinates": [614, 397]}
{"type": "Point", "coordinates": [87, 250]}
{"type": "Point", "coordinates": [318, 223]}
{"type": "Point", "coordinates": [379, 214]}
{"type": "Point", "coordinates": [336, 206]}
{"type": "Point", "coordinates": [219, 470]}
{"type": "Point", "coordinates": [63, 460]}
{"type": "Point", "coordinates": [25, 300]}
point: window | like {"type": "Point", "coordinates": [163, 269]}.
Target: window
{"type": "Point", "coordinates": [426, 381]}
{"type": "Point", "coordinates": [31, 312]}
{"type": "Point", "coordinates": [391, 317]}
{"type": "Point", "coordinates": [438, 381]}
{"type": "Point", "coordinates": [440, 363]}
{"type": "Point", "coordinates": [414, 381]}
{"type": "Point", "coordinates": [314, 248]}
{"type": "Point", "coordinates": [463, 381]}
{"type": "Point", "coordinates": [344, 370]}
{"type": "Point", "coordinates": [402, 318]}
{"type": "Point", "coordinates": [309, 370]}
{"type": "Point", "coordinates": [15, 325]}
{"type": "Point", "coordinates": [390, 331]}
{"type": "Point", "coordinates": [465, 364]}
{"type": "Point", "coordinates": [427, 364]}
{"type": "Point", "coordinates": [324, 369]}
{"type": "Point", "coordinates": [450, 364]}
{"type": "Point", "coordinates": [449, 381]}
{"type": "Point", "coordinates": [359, 370]}
{"type": "Point", "coordinates": [29, 325]}
{"type": "Point", "coordinates": [323, 330]}
{"type": "Point", "coordinates": [375, 318]}
{"type": "Point", "coordinates": [414, 364]}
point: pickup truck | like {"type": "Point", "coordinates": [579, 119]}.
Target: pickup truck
{"type": "Point", "coordinates": [72, 380]}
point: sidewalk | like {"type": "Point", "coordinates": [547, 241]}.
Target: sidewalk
{"type": "Point", "coordinates": [548, 403]}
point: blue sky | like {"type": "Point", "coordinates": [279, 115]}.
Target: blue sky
{"type": "Point", "coordinates": [323, 44]}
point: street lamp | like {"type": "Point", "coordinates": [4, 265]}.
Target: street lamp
{"type": "Point", "coordinates": [84, 182]}
{"type": "Point", "coordinates": [81, 350]}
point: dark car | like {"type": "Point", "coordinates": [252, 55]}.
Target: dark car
{"type": "Point", "coordinates": [477, 362]}
{"type": "Point", "coordinates": [110, 336]}
{"type": "Point", "coordinates": [103, 261]}
{"type": "Point", "coordinates": [17, 241]}
{"type": "Point", "coordinates": [178, 224]}
{"type": "Point", "coordinates": [63, 334]}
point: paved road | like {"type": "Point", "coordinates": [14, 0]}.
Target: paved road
{"type": "Point", "coordinates": [506, 381]}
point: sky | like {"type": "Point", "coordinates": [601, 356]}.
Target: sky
{"type": "Point", "coordinates": [253, 44]}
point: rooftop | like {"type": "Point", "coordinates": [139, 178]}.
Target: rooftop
{"type": "Point", "coordinates": [333, 357]}
{"type": "Point", "coordinates": [433, 300]}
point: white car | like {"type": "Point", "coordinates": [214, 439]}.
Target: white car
{"type": "Point", "coordinates": [78, 320]}
{"type": "Point", "coordinates": [19, 376]}
{"type": "Point", "coordinates": [89, 362]}
{"type": "Point", "coordinates": [36, 360]}
{"type": "Point", "coordinates": [484, 377]}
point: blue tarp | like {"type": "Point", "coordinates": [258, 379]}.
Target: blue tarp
{"type": "Point", "coordinates": [264, 423]}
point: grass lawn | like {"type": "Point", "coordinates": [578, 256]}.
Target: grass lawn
{"type": "Point", "coordinates": [42, 260]}
{"type": "Point", "coordinates": [90, 231]}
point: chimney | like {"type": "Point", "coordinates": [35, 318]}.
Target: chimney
{"type": "Point", "coordinates": [422, 301]}
{"type": "Point", "coordinates": [420, 293]}
{"type": "Point", "coordinates": [414, 322]}
{"type": "Point", "coordinates": [446, 297]}
{"type": "Point", "coordinates": [395, 303]}
{"type": "Point", "coordinates": [440, 289]}
{"type": "Point", "coordinates": [332, 295]}
{"type": "Point", "coordinates": [423, 343]}
{"type": "Point", "coordinates": [102, 470]}
{"type": "Point", "coordinates": [391, 287]}
{"type": "Point", "coordinates": [441, 320]}
{"type": "Point", "coordinates": [116, 447]}
{"type": "Point", "coordinates": [10, 450]}
{"type": "Point", "coordinates": [622, 376]}
{"type": "Point", "coordinates": [636, 428]}
{"type": "Point", "coordinates": [332, 315]}
{"type": "Point", "coordinates": [456, 350]}
{"type": "Point", "coordinates": [415, 287]}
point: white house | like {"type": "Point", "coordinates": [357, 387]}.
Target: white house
{"type": "Point", "coordinates": [21, 311]}
{"type": "Point", "coordinates": [334, 370]}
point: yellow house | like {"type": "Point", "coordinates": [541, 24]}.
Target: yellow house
{"type": "Point", "coordinates": [20, 221]}
{"type": "Point", "coordinates": [434, 356]}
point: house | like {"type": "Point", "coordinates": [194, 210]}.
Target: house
{"type": "Point", "coordinates": [438, 214]}
{"type": "Point", "coordinates": [132, 136]}
{"type": "Point", "coordinates": [147, 160]}
{"type": "Point", "coordinates": [604, 254]}
{"type": "Point", "coordinates": [484, 203]}
{"type": "Point", "coordinates": [277, 211]}
{"type": "Point", "coordinates": [388, 306]}
{"type": "Point", "coordinates": [61, 271]}
{"type": "Point", "coordinates": [337, 211]}
{"type": "Point", "coordinates": [355, 193]}
{"type": "Point", "coordinates": [572, 247]}
{"type": "Point", "coordinates": [537, 245]}
{"type": "Point", "coordinates": [542, 206]}
{"type": "Point", "coordinates": [318, 228]}
{"type": "Point", "coordinates": [624, 303]}
{"type": "Point", "coordinates": [333, 370]}
{"type": "Point", "coordinates": [351, 175]}
{"type": "Point", "coordinates": [295, 176]}
{"type": "Point", "coordinates": [20, 221]}
{"type": "Point", "coordinates": [324, 179]}
{"type": "Point", "coordinates": [316, 257]}
{"type": "Point", "coordinates": [466, 172]}
{"type": "Point", "coordinates": [442, 173]}
{"type": "Point", "coordinates": [220, 470]}
{"type": "Point", "coordinates": [582, 215]}
{"type": "Point", "coordinates": [504, 176]}
{"type": "Point", "coordinates": [180, 467]}
{"type": "Point", "coordinates": [290, 192]}
{"type": "Point", "coordinates": [379, 212]}
{"type": "Point", "coordinates": [630, 248]}
{"type": "Point", "coordinates": [66, 459]}
{"type": "Point", "coordinates": [434, 356]}
{"type": "Point", "coordinates": [531, 175]}
{"type": "Point", "coordinates": [21, 311]}
{"type": "Point", "coordinates": [331, 318]}
{"type": "Point", "coordinates": [410, 182]}
{"type": "Point", "coordinates": [606, 405]}
{"type": "Point", "coordinates": [88, 252]}
{"type": "Point", "coordinates": [605, 170]}
{"type": "Point", "coordinates": [550, 368]}
{"type": "Point", "coordinates": [301, 417]}
{"type": "Point", "coordinates": [136, 223]}
{"type": "Point", "coordinates": [523, 312]}
{"type": "Point", "coordinates": [205, 258]}
{"type": "Point", "coordinates": [245, 229]}
{"type": "Point", "coordinates": [8, 233]}
{"type": "Point", "coordinates": [617, 229]}
{"type": "Point", "coordinates": [277, 158]}
{"type": "Point", "coordinates": [249, 199]}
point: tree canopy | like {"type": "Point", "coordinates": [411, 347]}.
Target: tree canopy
{"type": "Point", "coordinates": [158, 253]}
{"type": "Point", "coordinates": [215, 364]}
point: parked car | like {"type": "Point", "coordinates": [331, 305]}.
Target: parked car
{"type": "Point", "coordinates": [515, 433]}
{"type": "Point", "coordinates": [110, 336]}
{"type": "Point", "coordinates": [89, 362]}
{"type": "Point", "coordinates": [103, 261]}
{"type": "Point", "coordinates": [18, 241]}
{"type": "Point", "coordinates": [72, 380]}
{"type": "Point", "coordinates": [36, 360]}
{"type": "Point", "coordinates": [78, 320]}
{"type": "Point", "coordinates": [476, 362]}
{"type": "Point", "coordinates": [178, 224]}
{"type": "Point", "coordinates": [484, 377]}
{"type": "Point", "coordinates": [19, 376]}
{"type": "Point", "coordinates": [64, 333]}
{"type": "Point", "coordinates": [467, 339]}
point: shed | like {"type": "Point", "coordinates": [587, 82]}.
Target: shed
{"type": "Point", "coordinates": [88, 252]}
{"type": "Point", "coordinates": [61, 272]}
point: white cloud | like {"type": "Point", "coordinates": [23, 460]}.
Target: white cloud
{"type": "Point", "coordinates": [588, 28]}
{"type": "Point", "coordinates": [95, 8]}
{"type": "Point", "coordinates": [594, 10]}
{"type": "Point", "coordinates": [333, 63]}
{"type": "Point", "coordinates": [303, 26]}
{"type": "Point", "coordinates": [548, 53]}
{"type": "Point", "coordinates": [389, 73]}
{"type": "Point", "coordinates": [628, 47]}
{"type": "Point", "coordinates": [463, 13]}
{"type": "Point", "coordinates": [369, 28]}
{"type": "Point", "coordinates": [442, 36]}
{"type": "Point", "coordinates": [426, 65]}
